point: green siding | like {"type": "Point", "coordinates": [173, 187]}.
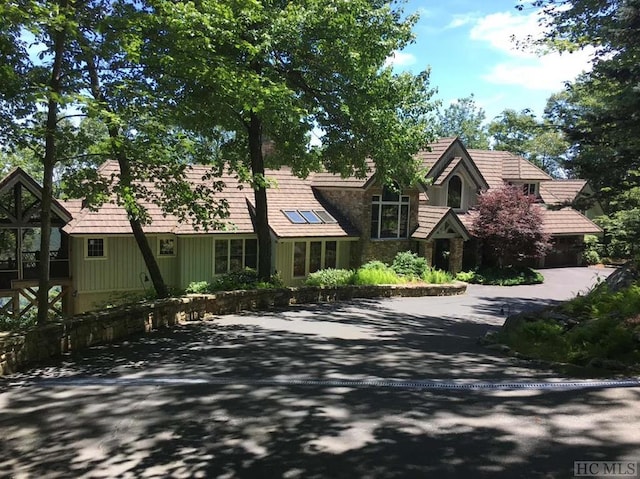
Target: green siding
{"type": "Point", "coordinates": [284, 261]}
{"type": "Point", "coordinates": [196, 259]}
{"type": "Point", "coordinates": [121, 270]}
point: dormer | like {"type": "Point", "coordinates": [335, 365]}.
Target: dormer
{"type": "Point", "coordinates": [519, 172]}
{"type": "Point", "coordinates": [453, 178]}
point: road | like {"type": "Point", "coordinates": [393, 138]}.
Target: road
{"type": "Point", "coordinates": [387, 388]}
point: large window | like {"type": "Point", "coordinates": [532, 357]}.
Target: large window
{"type": "Point", "coordinates": [389, 215]}
{"type": "Point", "coordinates": [311, 256]}
{"type": "Point", "coordinates": [454, 192]}
{"type": "Point", "coordinates": [234, 255]}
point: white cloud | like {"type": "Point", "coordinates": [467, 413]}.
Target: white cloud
{"type": "Point", "coordinates": [400, 59]}
{"type": "Point", "coordinates": [524, 67]}
{"type": "Point", "coordinates": [549, 72]}
{"type": "Point", "coordinates": [460, 20]}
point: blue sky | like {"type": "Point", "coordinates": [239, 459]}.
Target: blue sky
{"type": "Point", "coordinates": [468, 45]}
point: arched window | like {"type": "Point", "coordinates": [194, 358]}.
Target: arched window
{"type": "Point", "coordinates": [454, 192]}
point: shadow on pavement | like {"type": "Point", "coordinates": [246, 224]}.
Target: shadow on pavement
{"type": "Point", "coordinates": [240, 430]}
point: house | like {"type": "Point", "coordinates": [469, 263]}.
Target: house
{"type": "Point", "coordinates": [323, 221]}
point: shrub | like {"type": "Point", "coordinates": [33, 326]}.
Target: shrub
{"type": "Point", "coordinates": [407, 263]}
{"type": "Point", "coordinates": [375, 264]}
{"type": "Point", "coordinates": [198, 287]}
{"type": "Point", "coordinates": [377, 276]}
{"type": "Point", "coordinates": [591, 257]}
{"type": "Point", "coordinates": [436, 276]}
{"type": "Point", "coordinates": [511, 276]}
{"type": "Point", "coordinates": [330, 277]}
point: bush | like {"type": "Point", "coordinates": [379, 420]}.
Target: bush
{"type": "Point", "coordinates": [407, 263]}
{"type": "Point", "coordinates": [436, 276]}
{"type": "Point", "coordinates": [330, 277]}
{"type": "Point", "coordinates": [244, 279]}
{"type": "Point", "coordinates": [377, 276]}
{"type": "Point", "coordinates": [375, 264]}
{"type": "Point", "coordinates": [511, 276]}
{"type": "Point", "coordinates": [591, 257]}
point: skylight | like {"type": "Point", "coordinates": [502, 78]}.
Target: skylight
{"type": "Point", "coordinates": [313, 217]}
{"type": "Point", "coordinates": [310, 216]}
{"type": "Point", "coordinates": [294, 217]}
{"type": "Point", "coordinates": [324, 216]}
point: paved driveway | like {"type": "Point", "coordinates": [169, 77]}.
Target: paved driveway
{"type": "Point", "coordinates": [220, 398]}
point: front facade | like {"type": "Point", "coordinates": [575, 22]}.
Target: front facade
{"type": "Point", "coordinates": [323, 221]}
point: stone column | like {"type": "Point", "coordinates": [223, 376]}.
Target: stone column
{"type": "Point", "coordinates": [427, 251]}
{"type": "Point", "coordinates": [455, 254]}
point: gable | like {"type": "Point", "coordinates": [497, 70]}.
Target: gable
{"type": "Point", "coordinates": [455, 158]}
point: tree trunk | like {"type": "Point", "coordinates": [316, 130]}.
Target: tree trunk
{"type": "Point", "coordinates": [125, 179]}
{"type": "Point", "coordinates": [49, 161]}
{"type": "Point", "coordinates": [260, 194]}
{"type": "Point", "coordinates": [141, 239]}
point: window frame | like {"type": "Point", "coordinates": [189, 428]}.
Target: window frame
{"type": "Point", "coordinates": [307, 255]}
{"type": "Point", "coordinates": [379, 201]}
{"type": "Point", "coordinates": [174, 250]}
{"type": "Point", "coordinates": [228, 254]}
{"type": "Point", "coordinates": [104, 248]}
{"type": "Point", "coordinates": [462, 195]}
{"type": "Point", "coordinates": [528, 188]}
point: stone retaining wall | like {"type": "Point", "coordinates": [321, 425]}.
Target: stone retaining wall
{"type": "Point", "coordinates": [18, 350]}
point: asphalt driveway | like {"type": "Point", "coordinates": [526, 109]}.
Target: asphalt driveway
{"type": "Point", "coordinates": [304, 393]}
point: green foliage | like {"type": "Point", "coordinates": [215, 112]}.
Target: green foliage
{"type": "Point", "coordinates": [608, 325]}
{"type": "Point", "coordinates": [463, 118]}
{"type": "Point", "coordinates": [409, 264]}
{"type": "Point", "coordinates": [377, 276]}
{"type": "Point", "coordinates": [526, 136]}
{"type": "Point", "coordinates": [243, 279]}
{"type": "Point", "coordinates": [436, 276]}
{"type": "Point", "coordinates": [375, 264]}
{"type": "Point", "coordinates": [330, 277]}
{"type": "Point", "coordinates": [510, 276]}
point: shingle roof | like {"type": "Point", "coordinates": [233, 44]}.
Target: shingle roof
{"type": "Point", "coordinates": [447, 171]}
{"type": "Point", "coordinates": [290, 192]}
{"type": "Point", "coordinates": [560, 191]}
{"type": "Point", "coordinates": [568, 221]}
{"type": "Point", "coordinates": [295, 193]}
{"type": "Point", "coordinates": [431, 217]}
{"type": "Point", "coordinates": [436, 150]}
{"type": "Point", "coordinates": [517, 168]}
{"type": "Point", "coordinates": [564, 222]}
{"type": "Point", "coordinates": [489, 163]}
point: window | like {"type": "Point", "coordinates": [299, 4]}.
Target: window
{"type": "Point", "coordinates": [299, 258]}
{"type": "Point", "coordinates": [96, 248]}
{"type": "Point", "coordinates": [389, 215]}
{"type": "Point", "coordinates": [295, 217]}
{"type": "Point", "coordinates": [313, 217]}
{"type": "Point", "coordinates": [454, 192]}
{"type": "Point", "coordinates": [529, 189]}
{"type": "Point", "coordinates": [311, 256]}
{"type": "Point", "coordinates": [235, 255]}
{"type": "Point", "coordinates": [310, 217]}
{"type": "Point", "coordinates": [166, 247]}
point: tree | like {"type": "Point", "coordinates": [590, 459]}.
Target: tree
{"type": "Point", "coordinates": [464, 119]}
{"type": "Point", "coordinates": [598, 113]}
{"type": "Point", "coordinates": [509, 224]}
{"type": "Point", "coordinates": [524, 135]}
{"type": "Point", "coordinates": [274, 72]}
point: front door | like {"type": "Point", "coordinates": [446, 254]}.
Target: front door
{"type": "Point", "coordinates": [441, 254]}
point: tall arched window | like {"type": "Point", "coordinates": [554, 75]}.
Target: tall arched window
{"type": "Point", "coordinates": [454, 192]}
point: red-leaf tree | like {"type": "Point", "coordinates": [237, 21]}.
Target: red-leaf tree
{"type": "Point", "coordinates": [509, 224]}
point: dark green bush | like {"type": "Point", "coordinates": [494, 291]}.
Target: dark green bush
{"type": "Point", "coordinates": [407, 263]}
{"type": "Point", "coordinates": [510, 276]}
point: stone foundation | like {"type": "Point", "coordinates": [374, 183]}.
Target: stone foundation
{"type": "Point", "coordinates": [19, 350]}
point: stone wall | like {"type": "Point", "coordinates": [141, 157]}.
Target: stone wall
{"type": "Point", "coordinates": [19, 350]}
